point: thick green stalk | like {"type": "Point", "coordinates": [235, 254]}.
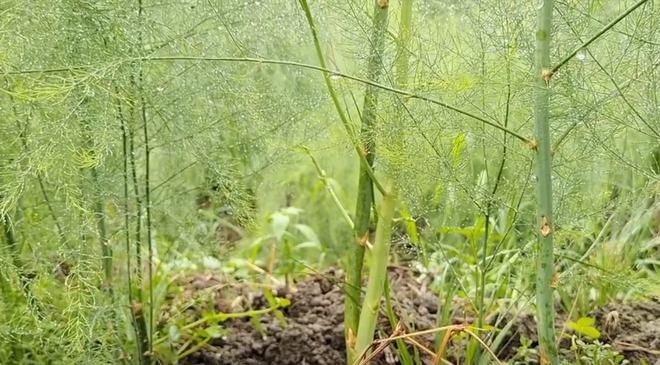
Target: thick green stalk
{"type": "Point", "coordinates": [377, 274]}
{"type": "Point", "coordinates": [331, 90]}
{"type": "Point", "coordinates": [99, 212]}
{"type": "Point", "coordinates": [364, 149]}
{"type": "Point", "coordinates": [545, 261]}
{"type": "Point", "coordinates": [98, 209]}
{"type": "Point", "coordinates": [403, 42]}
{"type": "Point", "coordinates": [365, 185]}
{"type": "Point", "coordinates": [402, 68]}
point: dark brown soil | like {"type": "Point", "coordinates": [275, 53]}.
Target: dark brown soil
{"type": "Point", "coordinates": [633, 329]}
{"type": "Point", "coordinates": [314, 333]}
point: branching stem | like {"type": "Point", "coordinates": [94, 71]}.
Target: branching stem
{"type": "Point", "coordinates": [605, 28]}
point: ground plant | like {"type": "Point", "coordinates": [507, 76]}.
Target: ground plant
{"type": "Point", "coordinates": [324, 182]}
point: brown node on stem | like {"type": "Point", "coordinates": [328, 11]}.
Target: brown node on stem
{"type": "Point", "coordinates": [546, 228]}
{"type": "Point", "coordinates": [547, 74]}
{"type": "Point", "coordinates": [364, 241]}
{"type": "Point", "coordinates": [351, 338]}
{"type": "Point", "coordinates": [543, 357]}
{"type": "Point", "coordinates": [136, 309]}
{"type": "Point", "coordinates": [556, 278]}
{"type": "Point", "coordinates": [383, 3]}
{"type": "Point", "coordinates": [363, 150]}
{"type": "Point", "coordinates": [533, 144]}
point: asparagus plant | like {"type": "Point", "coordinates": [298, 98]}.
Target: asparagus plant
{"type": "Point", "coordinates": [542, 144]}
{"type": "Point", "coordinates": [365, 184]}
{"type": "Point", "coordinates": [543, 72]}
{"type": "Point", "coordinates": [377, 274]}
{"type": "Point", "coordinates": [365, 150]}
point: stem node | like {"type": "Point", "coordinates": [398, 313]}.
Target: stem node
{"type": "Point", "coordinates": [547, 75]}
{"type": "Point", "coordinates": [546, 227]}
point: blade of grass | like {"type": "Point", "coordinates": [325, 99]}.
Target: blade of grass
{"type": "Point", "coordinates": [402, 349]}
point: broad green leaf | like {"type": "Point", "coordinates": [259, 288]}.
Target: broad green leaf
{"type": "Point", "coordinates": [278, 224]}
{"type": "Point", "coordinates": [307, 244]}
{"type": "Point", "coordinates": [255, 321]}
{"type": "Point", "coordinates": [211, 263]}
{"type": "Point", "coordinates": [411, 225]}
{"type": "Point", "coordinates": [274, 303]}
{"type": "Point", "coordinates": [309, 233]}
{"type": "Point", "coordinates": [291, 211]}
{"type": "Point", "coordinates": [482, 180]}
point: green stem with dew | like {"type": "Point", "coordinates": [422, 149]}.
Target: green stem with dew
{"type": "Point", "coordinates": [365, 186]}
{"type": "Point", "coordinates": [545, 260]}
{"type": "Point", "coordinates": [377, 274]}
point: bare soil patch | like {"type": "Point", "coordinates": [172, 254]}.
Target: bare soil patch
{"type": "Point", "coordinates": [314, 332]}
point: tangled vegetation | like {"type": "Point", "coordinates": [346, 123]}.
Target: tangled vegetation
{"type": "Point", "coordinates": [170, 171]}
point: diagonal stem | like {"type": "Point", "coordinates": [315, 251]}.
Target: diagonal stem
{"type": "Point", "coordinates": [605, 28]}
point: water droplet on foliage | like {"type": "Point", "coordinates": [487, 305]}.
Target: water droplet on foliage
{"type": "Point", "coordinates": [581, 55]}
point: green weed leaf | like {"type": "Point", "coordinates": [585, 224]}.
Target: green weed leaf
{"type": "Point", "coordinates": [174, 333]}
{"type": "Point", "coordinates": [278, 224]}
{"type": "Point", "coordinates": [214, 331]}
{"type": "Point", "coordinates": [458, 146]}
{"type": "Point", "coordinates": [585, 326]}
{"type": "Point", "coordinates": [310, 235]}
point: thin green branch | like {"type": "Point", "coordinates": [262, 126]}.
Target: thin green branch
{"type": "Point", "coordinates": [605, 28]}
{"type": "Point", "coordinates": [138, 199]}
{"type": "Point", "coordinates": [591, 17]}
{"type": "Point", "coordinates": [147, 189]}
{"type": "Point", "coordinates": [24, 143]}
{"type": "Point", "coordinates": [484, 266]}
{"type": "Point", "coordinates": [327, 73]}
{"type": "Point", "coordinates": [624, 98]}
{"type": "Point", "coordinates": [596, 106]}
{"type": "Point", "coordinates": [618, 88]}
{"type": "Point", "coordinates": [324, 179]}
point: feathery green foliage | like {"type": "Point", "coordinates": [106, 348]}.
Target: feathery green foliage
{"type": "Point", "coordinates": [228, 93]}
